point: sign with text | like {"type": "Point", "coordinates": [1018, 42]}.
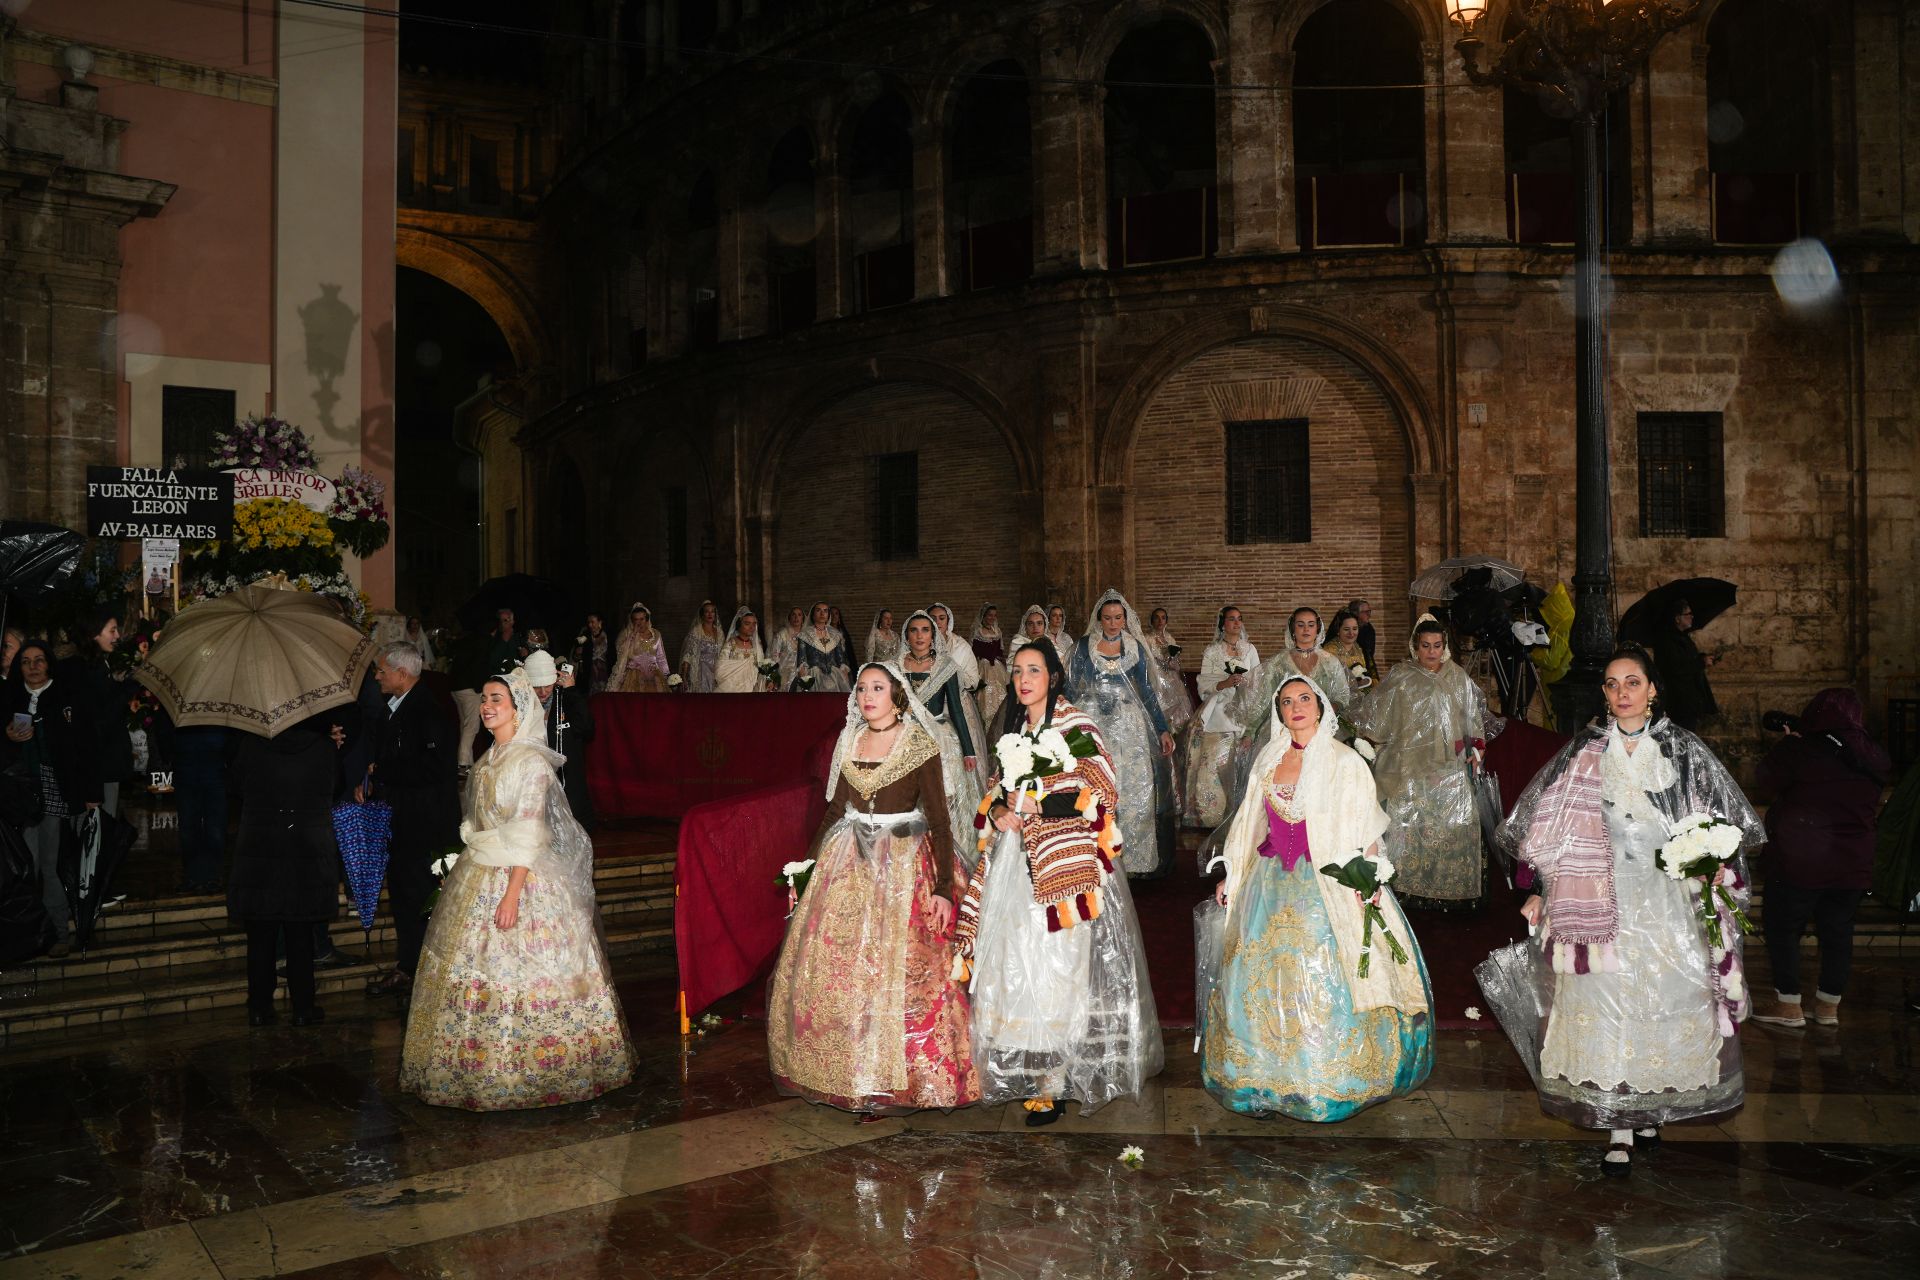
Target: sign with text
{"type": "Point", "coordinates": [157, 558]}
{"type": "Point", "coordinates": [159, 502]}
{"type": "Point", "coordinates": [307, 488]}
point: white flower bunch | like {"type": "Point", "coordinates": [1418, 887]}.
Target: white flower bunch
{"type": "Point", "coordinates": [1052, 744]}
{"type": "Point", "coordinates": [1235, 668]}
{"type": "Point", "coordinates": [1015, 753]}
{"type": "Point", "coordinates": [1364, 749]}
{"type": "Point", "coordinates": [1697, 836]}
{"type": "Point", "coordinates": [443, 865]}
{"type": "Point", "coordinates": [1132, 1157]}
{"type": "Point", "coordinates": [674, 681]}
{"type": "Point", "coordinates": [1382, 867]}
{"type": "Point", "coordinates": [793, 869]}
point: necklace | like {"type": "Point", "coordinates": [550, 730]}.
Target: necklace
{"type": "Point", "coordinates": [1641, 732]}
{"type": "Point", "coordinates": [1297, 744]}
{"type": "Point", "coordinates": [888, 728]}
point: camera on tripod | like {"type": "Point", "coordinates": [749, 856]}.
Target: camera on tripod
{"type": "Point", "coordinates": [1780, 722]}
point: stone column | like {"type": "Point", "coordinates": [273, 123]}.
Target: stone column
{"type": "Point", "coordinates": [1069, 168]}
{"type": "Point", "coordinates": [832, 256]}
{"type": "Point", "coordinates": [1064, 419]}
{"type": "Point", "coordinates": [930, 272]}
{"type": "Point", "coordinates": [1473, 164]}
{"type": "Point", "coordinates": [1286, 189]}
{"type": "Point", "coordinates": [1250, 162]}
{"type": "Point", "coordinates": [1672, 204]}
{"type": "Point", "coordinates": [742, 265]}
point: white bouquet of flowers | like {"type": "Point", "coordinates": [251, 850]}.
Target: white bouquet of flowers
{"type": "Point", "coordinates": [1699, 847]}
{"type": "Point", "coordinates": [674, 681]}
{"type": "Point", "coordinates": [796, 874]}
{"type": "Point", "coordinates": [1358, 674]}
{"type": "Point", "coordinates": [1028, 756]}
{"type": "Point", "coordinates": [1235, 668]}
{"type": "Point", "coordinates": [1364, 749]}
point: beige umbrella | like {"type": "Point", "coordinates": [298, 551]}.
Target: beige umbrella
{"type": "Point", "coordinates": [257, 659]}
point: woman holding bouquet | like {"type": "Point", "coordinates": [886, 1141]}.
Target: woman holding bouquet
{"type": "Point", "coordinates": [821, 665]}
{"type": "Point", "coordinates": [1061, 1004]}
{"type": "Point", "coordinates": [700, 654]}
{"type": "Point", "coordinates": [1431, 724]}
{"type": "Point", "coordinates": [1226, 666]}
{"type": "Point", "coordinates": [786, 645]}
{"type": "Point", "coordinates": [1643, 1003]}
{"type": "Point", "coordinates": [1321, 1006]}
{"type": "Point", "coordinates": [640, 659]}
{"type": "Point", "coordinates": [864, 1013]}
{"type": "Point", "coordinates": [513, 1006]}
{"type": "Point", "coordinates": [1164, 673]}
{"type": "Point", "coordinates": [743, 666]}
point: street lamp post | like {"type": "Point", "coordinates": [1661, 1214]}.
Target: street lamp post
{"type": "Point", "coordinates": [1575, 53]}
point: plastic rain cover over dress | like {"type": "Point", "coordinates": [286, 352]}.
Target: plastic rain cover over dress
{"type": "Point", "coordinates": [1059, 1012]}
{"type": "Point", "coordinates": [939, 687]}
{"type": "Point", "coordinates": [1632, 1021]}
{"type": "Point", "coordinates": [1117, 692]}
{"type": "Point", "coordinates": [1425, 724]}
{"type": "Point", "coordinates": [822, 654]}
{"type": "Point", "coordinates": [700, 653]}
{"type": "Point", "coordinates": [990, 657]}
{"type": "Point", "coordinates": [1248, 709]}
{"type": "Point", "coordinates": [504, 1019]}
{"type": "Point", "coordinates": [1286, 1024]}
{"type": "Point", "coordinates": [1211, 747]}
{"type": "Point", "coordinates": [863, 1012]}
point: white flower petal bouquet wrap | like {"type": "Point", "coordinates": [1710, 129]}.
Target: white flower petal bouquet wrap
{"type": "Point", "coordinates": [1701, 847]}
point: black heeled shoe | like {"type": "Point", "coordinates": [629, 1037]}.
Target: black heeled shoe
{"type": "Point", "coordinates": [1646, 1141]}
{"type": "Point", "coordinates": [309, 1017]}
{"type": "Point", "coordinates": [261, 1018]}
{"type": "Point", "coordinates": [1041, 1119]}
{"type": "Point", "coordinates": [1612, 1168]}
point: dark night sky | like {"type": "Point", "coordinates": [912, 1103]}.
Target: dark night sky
{"type": "Point", "coordinates": [485, 55]}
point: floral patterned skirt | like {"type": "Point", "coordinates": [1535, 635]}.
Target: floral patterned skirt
{"type": "Point", "coordinates": [862, 1014]}
{"type": "Point", "coordinates": [506, 1019]}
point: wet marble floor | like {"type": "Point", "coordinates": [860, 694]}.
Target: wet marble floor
{"type": "Point", "coordinates": [195, 1148]}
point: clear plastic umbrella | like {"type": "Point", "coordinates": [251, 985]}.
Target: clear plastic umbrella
{"type": "Point", "coordinates": [1437, 583]}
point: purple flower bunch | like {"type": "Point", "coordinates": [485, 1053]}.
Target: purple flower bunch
{"type": "Point", "coordinates": [269, 442]}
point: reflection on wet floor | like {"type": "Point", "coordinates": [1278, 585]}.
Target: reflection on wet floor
{"type": "Point", "coordinates": [194, 1148]}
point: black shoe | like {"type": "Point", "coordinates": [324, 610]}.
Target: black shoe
{"type": "Point", "coordinates": [261, 1018]}
{"type": "Point", "coordinates": [1617, 1168]}
{"type": "Point", "coordinates": [335, 959]}
{"type": "Point", "coordinates": [1646, 1141]}
{"type": "Point", "coordinates": [1041, 1119]}
{"type": "Point", "coordinates": [309, 1017]}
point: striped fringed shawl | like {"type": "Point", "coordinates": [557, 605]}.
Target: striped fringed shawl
{"type": "Point", "coordinates": [1583, 913]}
{"type": "Point", "coordinates": [1069, 858]}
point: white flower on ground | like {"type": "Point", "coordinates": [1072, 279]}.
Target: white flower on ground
{"type": "Point", "coordinates": [1473, 1013]}
{"type": "Point", "coordinates": [1132, 1157]}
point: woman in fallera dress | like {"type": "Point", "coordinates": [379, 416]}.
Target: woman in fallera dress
{"type": "Point", "coordinates": [640, 660]}
{"type": "Point", "coordinates": [1641, 1024]}
{"type": "Point", "coordinates": [1289, 1026]}
{"type": "Point", "coordinates": [1061, 1003]}
{"type": "Point", "coordinates": [864, 1013]}
{"type": "Point", "coordinates": [1057, 630]}
{"type": "Point", "coordinates": [1108, 678]}
{"type": "Point", "coordinates": [742, 658]}
{"type": "Point", "coordinates": [1430, 722]}
{"type": "Point", "coordinates": [786, 645]}
{"type": "Point", "coordinates": [821, 655]}
{"type": "Point", "coordinates": [1176, 704]}
{"type": "Point", "coordinates": [700, 655]}
{"type": "Point", "coordinates": [883, 642]}
{"type": "Point", "coordinates": [513, 1005]}
{"type": "Point", "coordinates": [990, 655]}
{"type": "Point", "coordinates": [935, 682]}
{"type": "Point", "coordinates": [951, 646]}
{"type": "Point", "coordinates": [1226, 666]}
{"type": "Point", "coordinates": [1343, 644]}
{"type": "Point", "coordinates": [1033, 626]}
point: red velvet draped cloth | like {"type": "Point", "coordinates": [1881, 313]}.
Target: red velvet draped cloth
{"type": "Point", "coordinates": [657, 755]}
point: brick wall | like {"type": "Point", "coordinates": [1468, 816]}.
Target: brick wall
{"type": "Point", "coordinates": [969, 544]}
{"type": "Point", "coordinates": [1359, 467]}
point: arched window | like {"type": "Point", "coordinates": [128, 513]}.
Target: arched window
{"type": "Point", "coordinates": [703, 278]}
{"type": "Point", "coordinates": [1359, 133]}
{"type": "Point", "coordinates": [1766, 118]}
{"type": "Point", "coordinates": [791, 226]}
{"type": "Point", "coordinates": [1539, 150]}
{"type": "Point", "coordinates": [1162, 181]}
{"type": "Point", "coordinates": [990, 179]}
{"type": "Point", "coordinates": [880, 203]}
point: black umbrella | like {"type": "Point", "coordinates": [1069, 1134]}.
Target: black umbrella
{"type": "Point", "coordinates": [1709, 598]}
{"type": "Point", "coordinates": [91, 851]}
{"type": "Point", "coordinates": [25, 930]}
{"type": "Point", "coordinates": [35, 561]}
{"type": "Point", "coordinates": [536, 602]}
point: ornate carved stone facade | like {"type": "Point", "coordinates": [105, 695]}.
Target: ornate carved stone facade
{"type": "Point", "coordinates": [738, 367]}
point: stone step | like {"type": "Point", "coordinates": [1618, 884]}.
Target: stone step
{"type": "Point", "coordinates": [104, 1000]}
{"type": "Point", "coordinates": [161, 948]}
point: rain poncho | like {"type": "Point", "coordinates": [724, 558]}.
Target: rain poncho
{"type": "Point", "coordinates": [863, 1012]}
{"type": "Point", "coordinates": [1116, 691]}
{"type": "Point", "coordinates": [1163, 672]}
{"type": "Point", "coordinates": [1286, 1024]}
{"type": "Point", "coordinates": [822, 658]}
{"type": "Point", "coordinates": [883, 643]}
{"type": "Point", "coordinates": [1426, 725]}
{"type": "Point", "coordinates": [1248, 708]}
{"type": "Point", "coordinates": [938, 692]}
{"type": "Point", "coordinates": [1211, 748]}
{"type": "Point", "coordinates": [700, 653]}
{"type": "Point", "coordinates": [1620, 1009]}
{"type": "Point", "coordinates": [504, 1019]}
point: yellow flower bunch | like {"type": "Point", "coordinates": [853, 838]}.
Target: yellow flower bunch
{"type": "Point", "coordinates": [278, 522]}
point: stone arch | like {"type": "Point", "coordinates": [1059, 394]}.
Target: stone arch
{"type": "Point", "coordinates": [1427, 450]}
{"type": "Point", "coordinates": [1429, 21]}
{"type": "Point", "coordinates": [486, 282]}
{"type": "Point", "coordinates": [1361, 541]}
{"type": "Point", "coordinates": [1120, 21]}
{"type": "Point", "coordinates": [943, 95]}
{"type": "Point", "coordinates": [837, 386]}
{"type": "Point", "coordinates": [820, 484]}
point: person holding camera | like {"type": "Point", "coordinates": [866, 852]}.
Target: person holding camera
{"type": "Point", "coordinates": [1825, 775]}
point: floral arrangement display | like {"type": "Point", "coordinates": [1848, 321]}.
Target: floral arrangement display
{"type": "Point", "coordinates": [358, 515]}
{"type": "Point", "coordinates": [281, 541]}
{"type": "Point", "coordinates": [269, 442]}
{"type": "Point", "coordinates": [1367, 877]}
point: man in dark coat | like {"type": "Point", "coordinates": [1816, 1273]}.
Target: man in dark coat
{"type": "Point", "coordinates": [1685, 692]}
{"type": "Point", "coordinates": [414, 771]}
{"type": "Point", "coordinates": [49, 735]}
{"type": "Point", "coordinates": [1825, 776]}
{"type": "Point", "coordinates": [569, 728]}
